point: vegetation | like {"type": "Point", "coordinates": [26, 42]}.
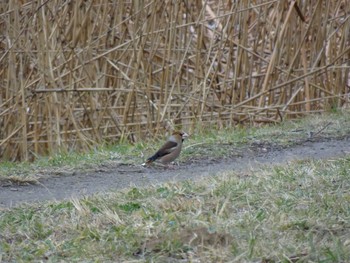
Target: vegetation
{"type": "Point", "coordinates": [76, 74]}
{"type": "Point", "coordinates": [86, 83]}
{"type": "Point", "coordinates": [296, 213]}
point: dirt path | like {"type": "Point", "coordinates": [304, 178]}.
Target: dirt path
{"type": "Point", "coordinates": [118, 176]}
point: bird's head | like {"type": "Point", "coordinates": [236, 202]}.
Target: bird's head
{"type": "Point", "coordinates": [181, 134]}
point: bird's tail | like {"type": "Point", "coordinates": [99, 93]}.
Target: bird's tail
{"type": "Point", "coordinates": [150, 160]}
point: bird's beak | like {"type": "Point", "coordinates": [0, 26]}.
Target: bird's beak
{"type": "Point", "coordinates": [185, 135]}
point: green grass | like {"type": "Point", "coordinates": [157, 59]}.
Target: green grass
{"type": "Point", "coordinates": [294, 213]}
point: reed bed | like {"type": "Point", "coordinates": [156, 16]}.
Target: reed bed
{"type": "Point", "coordinates": [78, 73]}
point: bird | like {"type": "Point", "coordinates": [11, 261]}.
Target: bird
{"type": "Point", "coordinates": [170, 150]}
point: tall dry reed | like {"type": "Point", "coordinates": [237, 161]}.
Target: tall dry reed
{"type": "Point", "coordinates": [77, 73]}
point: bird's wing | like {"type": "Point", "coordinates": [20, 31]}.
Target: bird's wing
{"type": "Point", "coordinates": [167, 148]}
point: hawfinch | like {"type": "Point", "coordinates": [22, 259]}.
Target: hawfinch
{"type": "Point", "coordinates": [170, 150]}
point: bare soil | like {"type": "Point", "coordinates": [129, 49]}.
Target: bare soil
{"type": "Point", "coordinates": [112, 176]}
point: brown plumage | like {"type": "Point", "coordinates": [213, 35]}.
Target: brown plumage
{"type": "Point", "coordinates": [170, 150]}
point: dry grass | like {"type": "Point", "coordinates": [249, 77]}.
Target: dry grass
{"type": "Point", "coordinates": [77, 73]}
{"type": "Point", "coordinates": [293, 213]}
{"type": "Point", "coordinates": [17, 180]}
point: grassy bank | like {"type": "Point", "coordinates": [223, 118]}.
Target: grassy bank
{"type": "Point", "coordinates": [296, 213]}
{"type": "Point", "coordinates": [202, 143]}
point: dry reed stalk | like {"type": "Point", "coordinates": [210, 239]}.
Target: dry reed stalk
{"type": "Point", "coordinates": [83, 72]}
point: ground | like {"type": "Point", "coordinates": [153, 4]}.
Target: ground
{"type": "Point", "coordinates": [74, 183]}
